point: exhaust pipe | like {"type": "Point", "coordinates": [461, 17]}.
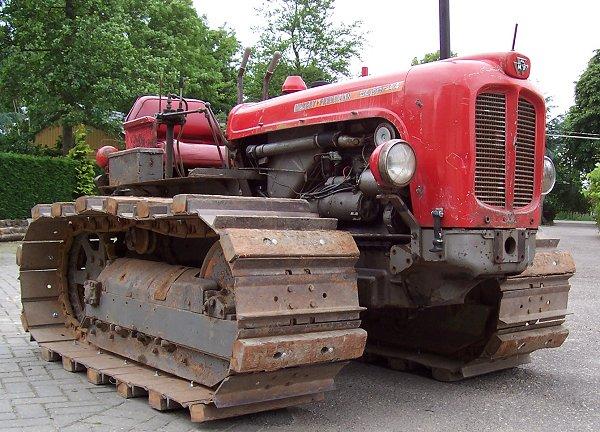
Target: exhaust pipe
{"type": "Point", "coordinates": [240, 77]}
{"type": "Point", "coordinates": [323, 140]}
{"type": "Point", "coordinates": [269, 74]}
{"type": "Point", "coordinates": [444, 30]}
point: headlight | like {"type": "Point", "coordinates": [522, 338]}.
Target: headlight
{"type": "Point", "coordinates": [549, 176]}
{"type": "Point", "coordinates": [393, 163]}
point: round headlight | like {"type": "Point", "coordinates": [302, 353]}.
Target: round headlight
{"type": "Point", "coordinates": [549, 176]}
{"type": "Point", "coordinates": [393, 163]}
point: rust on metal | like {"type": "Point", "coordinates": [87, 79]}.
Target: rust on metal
{"type": "Point", "coordinates": [184, 326]}
{"type": "Point", "coordinates": [62, 209]}
{"type": "Point", "coordinates": [526, 341]}
{"type": "Point", "coordinates": [276, 352]}
{"type": "Point", "coordinates": [550, 262]}
{"type": "Point", "coordinates": [41, 210]}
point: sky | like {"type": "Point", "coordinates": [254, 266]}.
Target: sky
{"type": "Point", "coordinates": [559, 36]}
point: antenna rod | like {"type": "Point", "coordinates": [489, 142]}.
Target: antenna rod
{"type": "Point", "coordinates": [444, 29]}
{"type": "Point", "coordinates": [181, 83]}
{"type": "Point", "coordinates": [514, 36]}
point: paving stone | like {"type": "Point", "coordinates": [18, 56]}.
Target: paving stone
{"type": "Point", "coordinates": [41, 421]}
{"type": "Point", "coordinates": [41, 400]}
{"type": "Point", "coordinates": [17, 387]}
{"type": "Point", "coordinates": [107, 419]}
{"type": "Point", "coordinates": [47, 388]}
{"type": "Point", "coordinates": [5, 406]}
{"type": "Point", "coordinates": [33, 410]}
{"type": "Point", "coordinates": [9, 366]}
{"type": "Point", "coordinates": [7, 416]}
{"type": "Point", "coordinates": [46, 428]}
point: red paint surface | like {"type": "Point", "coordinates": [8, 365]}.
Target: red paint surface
{"type": "Point", "coordinates": [102, 155]}
{"type": "Point", "coordinates": [374, 166]}
{"type": "Point", "coordinates": [293, 83]}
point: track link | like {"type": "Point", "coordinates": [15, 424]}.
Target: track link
{"type": "Point", "coordinates": [277, 336]}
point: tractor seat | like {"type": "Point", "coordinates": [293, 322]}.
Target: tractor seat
{"type": "Point", "coordinates": [196, 147]}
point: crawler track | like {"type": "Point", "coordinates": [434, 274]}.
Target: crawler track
{"type": "Point", "coordinates": [529, 316]}
{"type": "Point", "coordinates": [256, 309]}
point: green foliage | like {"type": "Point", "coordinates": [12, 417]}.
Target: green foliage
{"type": "Point", "coordinates": [84, 166]}
{"type": "Point", "coordinates": [593, 192]}
{"type": "Point", "coordinates": [15, 136]}
{"type": "Point", "coordinates": [584, 117]}
{"type": "Point", "coordinates": [30, 180]}
{"type": "Point", "coordinates": [429, 57]}
{"type": "Point", "coordinates": [312, 45]}
{"type": "Point", "coordinates": [567, 195]}
{"type": "Point", "coordinates": [171, 40]}
{"type": "Point", "coordinates": [573, 216]}
{"type": "Point", "coordinates": [78, 61]}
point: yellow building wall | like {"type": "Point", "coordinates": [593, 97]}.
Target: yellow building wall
{"type": "Point", "coordinates": [95, 138]}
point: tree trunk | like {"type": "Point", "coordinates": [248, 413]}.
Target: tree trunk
{"type": "Point", "coordinates": [68, 140]}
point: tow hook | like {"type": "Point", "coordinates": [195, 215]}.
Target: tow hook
{"type": "Point", "coordinates": [438, 236]}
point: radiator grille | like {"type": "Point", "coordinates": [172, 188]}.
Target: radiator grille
{"type": "Point", "coordinates": [525, 153]}
{"type": "Point", "coordinates": [490, 148]}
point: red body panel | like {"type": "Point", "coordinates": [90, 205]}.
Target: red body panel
{"type": "Point", "coordinates": [433, 108]}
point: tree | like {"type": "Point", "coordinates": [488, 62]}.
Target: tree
{"type": "Point", "coordinates": [584, 118]}
{"type": "Point", "coordinates": [312, 45]}
{"type": "Point", "coordinates": [79, 61]}
{"type": "Point", "coordinates": [593, 192]}
{"type": "Point", "coordinates": [65, 63]}
{"type": "Point", "coordinates": [567, 195]}
{"type": "Point", "coordinates": [575, 157]}
{"type": "Point", "coordinates": [429, 57]}
{"type": "Point", "coordinates": [179, 43]}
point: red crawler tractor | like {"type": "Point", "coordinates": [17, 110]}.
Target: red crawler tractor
{"type": "Point", "coordinates": [238, 272]}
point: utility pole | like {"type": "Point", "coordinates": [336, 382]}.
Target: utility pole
{"type": "Point", "coordinates": [444, 29]}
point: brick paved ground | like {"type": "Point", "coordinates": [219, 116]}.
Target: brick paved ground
{"type": "Point", "coordinates": [557, 391]}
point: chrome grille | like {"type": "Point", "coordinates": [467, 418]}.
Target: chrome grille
{"type": "Point", "coordinates": [525, 154]}
{"type": "Point", "coordinates": [490, 148]}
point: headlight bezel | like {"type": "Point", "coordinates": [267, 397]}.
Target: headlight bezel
{"type": "Point", "coordinates": [548, 164]}
{"type": "Point", "coordinates": [380, 163]}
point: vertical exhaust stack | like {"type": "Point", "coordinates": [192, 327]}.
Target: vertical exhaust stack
{"type": "Point", "coordinates": [240, 77]}
{"type": "Point", "coordinates": [444, 30]}
{"type": "Point", "coordinates": [269, 74]}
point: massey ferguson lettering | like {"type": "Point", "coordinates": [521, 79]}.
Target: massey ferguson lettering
{"type": "Point", "coordinates": [348, 96]}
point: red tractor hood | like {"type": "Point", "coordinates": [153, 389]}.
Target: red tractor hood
{"type": "Point", "coordinates": [433, 107]}
{"type": "Point", "coordinates": [346, 100]}
{"type": "Point", "coordinates": [373, 96]}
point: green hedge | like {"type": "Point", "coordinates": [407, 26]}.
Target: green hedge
{"type": "Point", "coordinates": [593, 192]}
{"type": "Point", "coordinates": [29, 180]}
